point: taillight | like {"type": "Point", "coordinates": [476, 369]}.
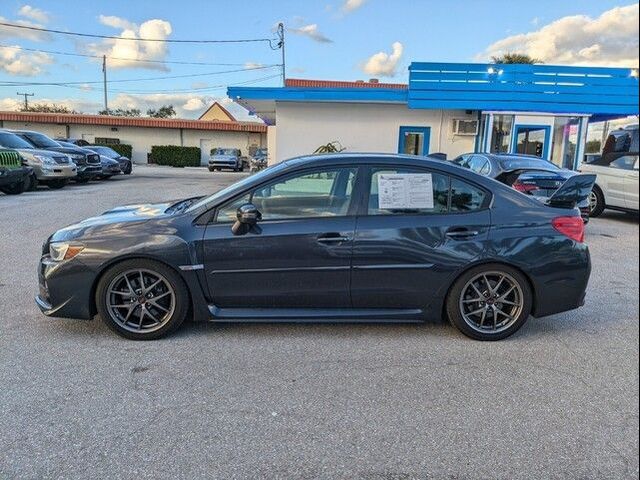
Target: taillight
{"type": "Point", "coordinates": [525, 187]}
{"type": "Point", "coordinates": [572, 227]}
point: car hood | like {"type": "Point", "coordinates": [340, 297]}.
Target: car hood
{"type": "Point", "coordinates": [67, 150]}
{"type": "Point", "coordinates": [107, 162]}
{"type": "Point", "coordinates": [35, 151]}
{"type": "Point", "coordinates": [115, 219]}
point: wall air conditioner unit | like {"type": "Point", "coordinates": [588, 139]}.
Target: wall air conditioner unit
{"type": "Point", "coordinates": [463, 126]}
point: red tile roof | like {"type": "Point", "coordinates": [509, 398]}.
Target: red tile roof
{"type": "Point", "coordinates": [297, 82]}
{"type": "Point", "coordinates": [108, 120]}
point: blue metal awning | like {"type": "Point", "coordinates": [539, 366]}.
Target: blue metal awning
{"type": "Point", "coordinates": [529, 88]}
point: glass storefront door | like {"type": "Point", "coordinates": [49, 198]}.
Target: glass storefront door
{"type": "Point", "coordinates": [532, 140]}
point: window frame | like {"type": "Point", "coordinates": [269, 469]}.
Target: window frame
{"type": "Point", "coordinates": [366, 176]}
{"type": "Point", "coordinates": [351, 209]}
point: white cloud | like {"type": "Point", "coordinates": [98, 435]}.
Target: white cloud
{"type": "Point", "coordinates": [133, 51]}
{"type": "Point", "coordinates": [535, 21]}
{"type": "Point", "coordinates": [350, 5]}
{"type": "Point", "coordinates": [15, 62]}
{"type": "Point", "coordinates": [382, 63]}
{"type": "Point", "coordinates": [312, 32]}
{"type": "Point", "coordinates": [34, 13]}
{"type": "Point", "coordinates": [608, 40]}
{"type": "Point", "coordinates": [33, 35]}
{"type": "Point", "coordinates": [253, 65]}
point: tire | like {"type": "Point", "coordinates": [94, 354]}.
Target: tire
{"type": "Point", "coordinates": [33, 183]}
{"type": "Point", "coordinates": [211, 169]}
{"type": "Point", "coordinates": [596, 202]}
{"type": "Point", "coordinates": [57, 184]}
{"type": "Point", "coordinates": [480, 326]}
{"type": "Point", "coordinates": [170, 317]}
{"type": "Point", "coordinates": [128, 170]}
{"type": "Point", "coordinates": [15, 188]}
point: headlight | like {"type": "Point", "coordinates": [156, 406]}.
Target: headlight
{"type": "Point", "coordinates": [45, 160]}
{"type": "Point", "coordinates": [64, 251]}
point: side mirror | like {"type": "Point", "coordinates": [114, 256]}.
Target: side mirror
{"type": "Point", "coordinates": [247, 217]}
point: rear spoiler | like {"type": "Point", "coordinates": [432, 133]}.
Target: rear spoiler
{"type": "Point", "coordinates": [572, 192]}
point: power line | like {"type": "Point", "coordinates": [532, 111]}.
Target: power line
{"type": "Point", "coordinates": [92, 82]}
{"type": "Point", "coordinates": [137, 60]}
{"type": "Point", "coordinates": [26, 101]}
{"type": "Point", "coordinates": [142, 39]}
{"type": "Point", "coordinates": [197, 90]}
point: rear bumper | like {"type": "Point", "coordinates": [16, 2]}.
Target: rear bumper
{"type": "Point", "coordinates": [566, 289]}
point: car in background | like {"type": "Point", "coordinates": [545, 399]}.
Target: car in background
{"type": "Point", "coordinates": [352, 237]}
{"type": "Point", "coordinates": [124, 162]}
{"type": "Point", "coordinates": [528, 174]}
{"type": "Point", "coordinates": [80, 142]}
{"type": "Point", "coordinates": [14, 176]}
{"type": "Point", "coordinates": [88, 162]}
{"type": "Point", "coordinates": [110, 168]}
{"type": "Point", "coordinates": [230, 158]}
{"type": "Point", "coordinates": [258, 160]}
{"type": "Point", "coordinates": [50, 168]}
{"type": "Point", "coordinates": [616, 168]}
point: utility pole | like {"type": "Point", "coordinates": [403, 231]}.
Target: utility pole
{"type": "Point", "coordinates": [26, 101]}
{"type": "Point", "coordinates": [281, 45]}
{"type": "Point", "coordinates": [104, 80]}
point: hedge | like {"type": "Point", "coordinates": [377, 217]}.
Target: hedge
{"type": "Point", "coordinates": [175, 156]}
{"type": "Point", "coordinates": [122, 148]}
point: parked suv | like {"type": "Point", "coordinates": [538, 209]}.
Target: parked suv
{"type": "Point", "coordinates": [88, 162]}
{"type": "Point", "coordinates": [616, 184]}
{"type": "Point", "coordinates": [14, 176]}
{"type": "Point", "coordinates": [226, 158]}
{"type": "Point", "coordinates": [53, 169]}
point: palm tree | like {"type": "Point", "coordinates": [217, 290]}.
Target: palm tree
{"type": "Point", "coordinates": [521, 58]}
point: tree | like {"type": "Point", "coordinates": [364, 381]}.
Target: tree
{"type": "Point", "coordinates": [165, 111]}
{"type": "Point", "coordinates": [47, 108]}
{"type": "Point", "coordinates": [519, 58]}
{"type": "Point", "coordinates": [122, 112]}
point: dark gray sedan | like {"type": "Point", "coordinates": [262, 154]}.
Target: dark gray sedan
{"type": "Point", "coordinates": [346, 237]}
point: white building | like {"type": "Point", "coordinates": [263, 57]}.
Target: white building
{"type": "Point", "coordinates": [448, 108]}
{"type": "Point", "coordinates": [142, 132]}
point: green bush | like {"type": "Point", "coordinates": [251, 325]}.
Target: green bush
{"type": "Point", "coordinates": [122, 148]}
{"type": "Point", "coordinates": [175, 156]}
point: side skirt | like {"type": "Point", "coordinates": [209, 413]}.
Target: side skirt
{"type": "Point", "coordinates": [315, 315]}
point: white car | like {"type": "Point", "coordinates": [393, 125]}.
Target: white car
{"type": "Point", "coordinates": [616, 184]}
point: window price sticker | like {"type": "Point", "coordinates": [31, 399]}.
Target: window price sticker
{"type": "Point", "coordinates": [405, 191]}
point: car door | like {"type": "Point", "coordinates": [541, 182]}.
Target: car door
{"type": "Point", "coordinates": [403, 256]}
{"type": "Point", "coordinates": [298, 255]}
{"type": "Point", "coordinates": [629, 163]}
{"type": "Point", "coordinates": [613, 175]}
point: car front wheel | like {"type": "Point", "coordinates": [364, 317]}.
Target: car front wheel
{"type": "Point", "coordinates": [142, 299]}
{"type": "Point", "coordinates": [489, 302]}
{"type": "Point", "coordinates": [596, 202]}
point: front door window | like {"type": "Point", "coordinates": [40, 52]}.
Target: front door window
{"type": "Point", "coordinates": [414, 140]}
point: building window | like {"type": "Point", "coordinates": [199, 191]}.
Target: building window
{"type": "Point", "coordinates": [501, 133]}
{"type": "Point", "coordinates": [107, 141]}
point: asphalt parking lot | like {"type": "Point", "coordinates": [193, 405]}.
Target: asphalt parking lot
{"type": "Point", "coordinates": [557, 400]}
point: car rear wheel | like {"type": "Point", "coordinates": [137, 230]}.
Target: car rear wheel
{"type": "Point", "coordinates": [142, 299]}
{"type": "Point", "coordinates": [596, 202]}
{"type": "Point", "coordinates": [489, 302]}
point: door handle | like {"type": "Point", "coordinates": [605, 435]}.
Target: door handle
{"type": "Point", "coordinates": [332, 238]}
{"type": "Point", "coordinates": [457, 234]}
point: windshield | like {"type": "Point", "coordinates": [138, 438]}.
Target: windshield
{"type": "Point", "coordinates": [106, 151]}
{"type": "Point", "coordinates": [211, 199]}
{"type": "Point", "coordinates": [10, 140]}
{"type": "Point", "coordinates": [39, 140]}
{"type": "Point", "coordinates": [225, 151]}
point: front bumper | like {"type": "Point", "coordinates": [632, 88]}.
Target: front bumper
{"type": "Point", "coordinates": [89, 171]}
{"type": "Point", "coordinates": [11, 177]}
{"type": "Point", "coordinates": [110, 171]}
{"type": "Point", "coordinates": [64, 288]}
{"type": "Point", "coordinates": [53, 172]}
{"type": "Point", "coordinates": [223, 164]}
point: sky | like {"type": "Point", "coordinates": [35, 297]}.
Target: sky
{"type": "Point", "coordinates": [324, 39]}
